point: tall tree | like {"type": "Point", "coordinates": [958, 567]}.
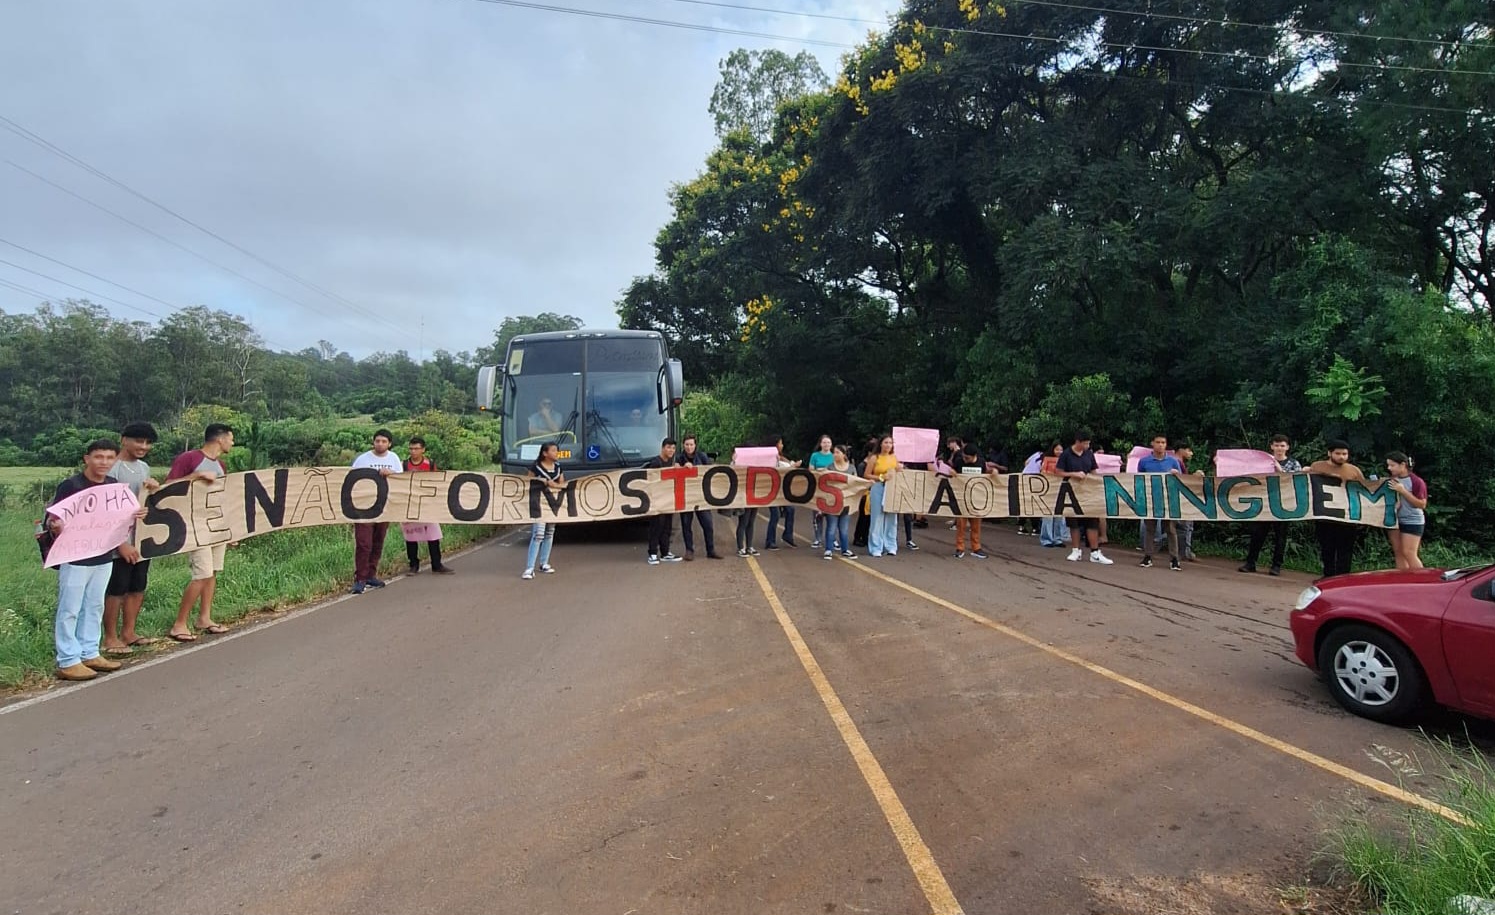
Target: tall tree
{"type": "Point", "coordinates": [755, 84]}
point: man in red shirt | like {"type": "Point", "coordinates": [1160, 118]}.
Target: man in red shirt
{"type": "Point", "coordinates": [203, 466]}
{"type": "Point", "coordinates": [419, 462]}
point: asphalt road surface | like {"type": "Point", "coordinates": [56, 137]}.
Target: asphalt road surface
{"type": "Point", "coordinates": [909, 734]}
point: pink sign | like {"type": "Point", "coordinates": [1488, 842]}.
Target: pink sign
{"type": "Point", "coordinates": [1108, 463]}
{"type": "Point", "coordinates": [916, 446]}
{"type": "Point", "coordinates": [420, 533]}
{"type": "Point", "coordinates": [756, 457]}
{"type": "Point", "coordinates": [94, 521]}
{"type": "Point", "coordinates": [1243, 462]}
{"type": "Point", "coordinates": [1137, 454]}
{"type": "Point", "coordinates": [940, 467]}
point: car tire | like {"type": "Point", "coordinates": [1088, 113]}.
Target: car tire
{"type": "Point", "coordinates": [1371, 673]}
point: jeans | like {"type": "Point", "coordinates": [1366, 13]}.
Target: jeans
{"type": "Point", "coordinates": [882, 532]}
{"type": "Point", "coordinates": [541, 539]}
{"type": "Point", "coordinates": [1185, 539]}
{"type": "Point", "coordinates": [368, 548]}
{"type": "Point", "coordinates": [660, 529]}
{"type": "Point", "coordinates": [1053, 532]}
{"type": "Point", "coordinates": [745, 524]}
{"type": "Point", "coordinates": [412, 553]}
{"type": "Point", "coordinates": [1151, 536]}
{"type": "Point", "coordinates": [1277, 530]}
{"type": "Point", "coordinates": [708, 530]}
{"type": "Point", "coordinates": [832, 526]}
{"type": "Point", "coordinates": [80, 611]}
{"type": "Point", "coordinates": [787, 513]}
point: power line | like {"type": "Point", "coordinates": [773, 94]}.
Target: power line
{"type": "Point", "coordinates": [668, 23]}
{"type": "Point", "coordinates": [51, 147]}
{"type": "Point", "coordinates": [98, 295]}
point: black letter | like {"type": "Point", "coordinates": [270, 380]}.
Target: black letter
{"type": "Point", "coordinates": [799, 474]}
{"type": "Point", "coordinates": [945, 493]}
{"type": "Point", "coordinates": [1067, 494]}
{"type": "Point", "coordinates": [176, 525]}
{"type": "Point", "coordinates": [626, 488]}
{"type": "Point", "coordinates": [454, 497]}
{"type": "Point", "coordinates": [353, 512]}
{"type": "Point", "coordinates": [1319, 496]}
{"type": "Point", "coordinates": [254, 492]}
{"type": "Point", "coordinates": [1014, 504]}
{"type": "Point", "coordinates": [567, 495]}
{"type": "Point", "coordinates": [713, 473]}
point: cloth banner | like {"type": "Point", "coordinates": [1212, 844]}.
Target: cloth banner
{"type": "Point", "coordinates": [1242, 462]}
{"type": "Point", "coordinates": [1262, 497]}
{"type": "Point", "coordinates": [189, 514]}
{"type": "Point", "coordinates": [94, 521]}
{"type": "Point", "coordinates": [915, 446]}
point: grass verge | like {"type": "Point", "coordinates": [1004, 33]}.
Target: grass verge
{"type": "Point", "coordinates": [1433, 860]}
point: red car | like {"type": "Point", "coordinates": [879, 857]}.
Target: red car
{"type": "Point", "coordinates": [1388, 643]}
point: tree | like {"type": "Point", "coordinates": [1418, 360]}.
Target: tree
{"type": "Point", "coordinates": [523, 324]}
{"type": "Point", "coordinates": [754, 84]}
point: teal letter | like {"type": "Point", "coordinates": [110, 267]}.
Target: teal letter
{"type": "Point", "coordinates": [1250, 507]}
{"type": "Point", "coordinates": [1384, 494]}
{"type": "Point", "coordinates": [1136, 500]}
{"type": "Point", "coordinates": [1300, 498]}
{"type": "Point", "coordinates": [1178, 487]}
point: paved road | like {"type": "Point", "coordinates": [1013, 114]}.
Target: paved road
{"type": "Point", "coordinates": [620, 738]}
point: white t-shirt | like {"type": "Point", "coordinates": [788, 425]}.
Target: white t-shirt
{"type": "Point", "coordinates": [370, 460]}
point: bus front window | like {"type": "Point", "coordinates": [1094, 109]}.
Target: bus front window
{"type": "Point", "coordinates": [543, 401]}
{"type": "Point", "coordinates": [623, 418]}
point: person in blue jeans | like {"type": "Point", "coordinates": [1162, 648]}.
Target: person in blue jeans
{"type": "Point", "coordinates": [1160, 461]}
{"type": "Point", "coordinates": [546, 471]}
{"type": "Point", "coordinates": [821, 459]}
{"type": "Point", "coordinates": [776, 512]}
{"type": "Point", "coordinates": [837, 528]}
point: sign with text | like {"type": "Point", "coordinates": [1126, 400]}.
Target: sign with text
{"type": "Point", "coordinates": [1266, 497]}
{"type": "Point", "coordinates": [188, 514]}
{"type": "Point", "coordinates": [94, 521]}
{"type": "Point", "coordinates": [1237, 462]}
{"type": "Point", "coordinates": [915, 446]}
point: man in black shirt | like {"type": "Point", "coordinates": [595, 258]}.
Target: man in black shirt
{"type": "Point", "coordinates": [1076, 463]}
{"type": "Point", "coordinates": [662, 526]}
{"type": "Point", "coordinates": [81, 584]}
{"type": "Point", "coordinates": [691, 453]}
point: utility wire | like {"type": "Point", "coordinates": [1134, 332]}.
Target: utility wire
{"type": "Point", "coordinates": [66, 266]}
{"type": "Point", "coordinates": [15, 128]}
{"type": "Point", "coordinates": [98, 295]}
{"type": "Point", "coordinates": [668, 23]}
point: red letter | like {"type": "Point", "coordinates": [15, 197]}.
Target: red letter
{"type": "Point", "coordinates": [753, 475]}
{"type": "Point", "coordinates": [836, 500]}
{"type": "Point", "coordinates": [679, 474]}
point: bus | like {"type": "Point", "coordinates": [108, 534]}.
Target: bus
{"type": "Point", "coordinates": [606, 397]}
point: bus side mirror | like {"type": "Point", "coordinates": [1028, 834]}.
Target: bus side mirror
{"type": "Point", "coordinates": [676, 373]}
{"type": "Point", "coordinates": [487, 381]}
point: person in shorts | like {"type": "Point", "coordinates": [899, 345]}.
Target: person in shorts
{"type": "Point", "coordinates": [1076, 463]}
{"type": "Point", "coordinates": [1411, 510]}
{"type": "Point", "coordinates": [204, 467]}
{"type": "Point", "coordinates": [126, 590]}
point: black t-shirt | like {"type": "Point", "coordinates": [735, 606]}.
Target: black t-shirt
{"type": "Point", "coordinates": [999, 457]}
{"type": "Point", "coordinates": [658, 463]}
{"type": "Point", "coordinates": [1069, 462]}
{"type": "Point", "coordinates": [542, 473]}
{"type": "Point", "coordinates": [75, 484]}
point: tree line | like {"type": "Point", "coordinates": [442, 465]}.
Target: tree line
{"type": "Point", "coordinates": [1190, 216]}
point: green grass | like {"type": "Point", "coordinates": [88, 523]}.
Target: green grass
{"type": "Point", "coordinates": [22, 476]}
{"type": "Point", "coordinates": [269, 572]}
{"type": "Point", "coordinates": [1430, 859]}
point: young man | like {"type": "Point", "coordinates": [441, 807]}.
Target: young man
{"type": "Point", "coordinates": [418, 462]}
{"type": "Point", "coordinates": [368, 537]}
{"type": "Point", "coordinates": [690, 453]}
{"type": "Point", "coordinates": [1337, 538]}
{"type": "Point", "coordinates": [661, 526]}
{"type": "Point", "coordinates": [127, 580]}
{"type": "Point", "coordinates": [81, 583]}
{"type": "Point", "coordinates": [968, 461]}
{"type": "Point", "coordinates": [1185, 454]}
{"type": "Point", "coordinates": [202, 466]}
{"type": "Point", "coordinates": [1076, 463]}
{"type": "Point", "coordinates": [1160, 461]}
{"type": "Point", "coordinates": [1277, 529]}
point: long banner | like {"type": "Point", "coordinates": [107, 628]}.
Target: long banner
{"type": "Point", "coordinates": [186, 515]}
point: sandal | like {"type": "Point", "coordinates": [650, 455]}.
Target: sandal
{"type": "Point", "coordinates": [214, 629]}
{"type": "Point", "coordinates": [181, 637]}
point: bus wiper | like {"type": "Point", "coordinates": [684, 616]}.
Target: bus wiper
{"type": "Point", "coordinates": [601, 425]}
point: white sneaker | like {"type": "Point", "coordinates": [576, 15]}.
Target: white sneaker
{"type": "Point", "coordinates": [546, 568]}
{"type": "Point", "coordinates": [1098, 556]}
{"type": "Point", "coordinates": [669, 557]}
{"type": "Point", "coordinates": [1074, 556]}
{"type": "Point", "coordinates": [528, 574]}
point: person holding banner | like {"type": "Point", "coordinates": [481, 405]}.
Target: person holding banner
{"type": "Point", "coordinates": [663, 525]}
{"type": "Point", "coordinates": [1052, 531]}
{"type": "Point", "coordinates": [1411, 517]}
{"type": "Point", "coordinates": [127, 582]}
{"type": "Point", "coordinates": [776, 512]}
{"type": "Point", "coordinates": [1185, 453]}
{"type": "Point", "coordinates": [1276, 529]}
{"type": "Point", "coordinates": [416, 534]}
{"type": "Point", "coordinates": [81, 583]}
{"type": "Point", "coordinates": [691, 453]}
{"type": "Point", "coordinates": [369, 536]}
{"type": "Point", "coordinates": [1337, 538]}
{"type": "Point", "coordinates": [968, 461]}
{"type": "Point", "coordinates": [822, 459]}
{"type": "Point", "coordinates": [1160, 461]}
{"type": "Point", "coordinates": [546, 470]}
{"type": "Point", "coordinates": [882, 530]}
{"type": "Point", "coordinates": [202, 465]}
{"type": "Point", "coordinates": [1076, 463]}
{"type": "Point", "coordinates": [838, 528]}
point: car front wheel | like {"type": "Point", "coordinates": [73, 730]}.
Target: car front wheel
{"type": "Point", "coordinates": [1372, 674]}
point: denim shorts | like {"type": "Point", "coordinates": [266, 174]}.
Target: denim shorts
{"type": "Point", "coordinates": [1414, 529]}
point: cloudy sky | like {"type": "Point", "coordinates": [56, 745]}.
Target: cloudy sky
{"type": "Point", "coordinates": [430, 165]}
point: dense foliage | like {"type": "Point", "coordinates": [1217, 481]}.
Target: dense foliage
{"type": "Point", "coordinates": [1217, 219]}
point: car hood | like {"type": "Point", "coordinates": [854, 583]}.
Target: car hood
{"type": "Point", "coordinates": [1383, 578]}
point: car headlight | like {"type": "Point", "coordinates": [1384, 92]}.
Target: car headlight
{"type": "Point", "coordinates": [1309, 595]}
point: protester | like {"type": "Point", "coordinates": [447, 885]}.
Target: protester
{"type": "Point", "coordinates": [202, 465]}
{"type": "Point", "coordinates": [81, 583]}
{"type": "Point", "coordinates": [127, 580]}
{"type": "Point", "coordinates": [1028, 527]}
{"type": "Point", "coordinates": [838, 527]}
{"type": "Point", "coordinates": [1053, 531]}
{"type": "Point", "coordinates": [1337, 538]}
{"type": "Point", "coordinates": [968, 461]}
{"type": "Point", "coordinates": [954, 445]}
{"type": "Point", "coordinates": [882, 531]}
{"type": "Point", "coordinates": [1160, 461]}
{"type": "Point", "coordinates": [420, 462]}
{"type": "Point", "coordinates": [369, 536]}
{"type": "Point", "coordinates": [775, 512]}
{"type": "Point", "coordinates": [864, 505]}
{"type": "Point", "coordinates": [547, 471]}
{"type": "Point", "coordinates": [1077, 463]}
{"type": "Point", "coordinates": [1411, 515]}
{"type": "Point", "coordinates": [1185, 453]}
{"type": "Point", "coordinates": [1280, 446]}
{"type": "Point", "coordinates": [662, 526]}
{"type": "Point", "coordinates": [821, 459]}
{"type": "Point", "coordinates": [690, 453]}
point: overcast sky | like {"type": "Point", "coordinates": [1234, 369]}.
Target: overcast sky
{"type": "Point", "coordinates": [440, 161]}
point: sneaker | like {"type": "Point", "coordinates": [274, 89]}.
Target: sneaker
{"type": "Point", "coordinates": [375, 582]}
{"type": "Point", "coordinates": [979, 554]}
{"type": "Point", "coordinates": [951, 527]}
{"type": "Point", "coordinates": [960, 554]}
{"type": "Point", "coordinates": [1097, 556]}
{"type": "Point", "coordinates": [414, 568]}
{"type": "Point", "coordinates": [1276, 570]}
{"type": "Point", "coordinates": [848, 554]}
{"type": "Point", "coordinates": [357, 588]}
{"type": "Point", "coordinates": [528, 574]}
{"type": "Point", "coordinates": [1248, 567]}
{"type": "Point", "coordinates": [653, 560]}
{"type": "Point", "coordinates": [790, 544]}
{"type": "Point", "coordinates": [772, 547]}
{"type": "Point", "coordinates": [1074, 555]}
{"type": "Point", "coordinates": [742, 553]}
{"type": "Point", "coordinates": [444, 570]}
{"type": "Point", "coordinates": [669, 557]}
{"type": "Point", "coordinates": [815, 543]}
{"type": "Point", "coordinates": [1175, 566]}
{"type": "Point", "coordinates": [911, 545]}
{"type": "Point", "coordinates": [548, 569]}
{"type": "Point", "coordinates": [753, 552]}
{"type": "Point", "coordinates": [1146, 562]}
{"type": "Point", "coordinates": [690, 556]}
{"type": "Point", "coordinates": [828, 554]}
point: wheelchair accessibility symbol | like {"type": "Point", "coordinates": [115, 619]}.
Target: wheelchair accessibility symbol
{"type": "Point", "coordinates": [594, 453]}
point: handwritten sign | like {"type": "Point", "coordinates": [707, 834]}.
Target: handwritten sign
{"type": "Point", "coordinates": [94, 521]}
{"type": "Point", "coordinates": [1137, 453]}
{"type": "Point", "coordinates": [1243, 462]}
{"type": "Point", "coordinates": [915, 446]}
{"type": "Point", "coordinates": [420, 533]}
{"type": "Point", "coordinates": [1108, 463]}
{"type": "Point", "coordinates": [755, 457]}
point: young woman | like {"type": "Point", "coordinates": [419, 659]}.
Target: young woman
{"type": "Point", "coordinates": [882, 531]}
{"type": "Point", "coordinates": [864, 506]}
{"type": "Point", "coordinates": [838, 527]}
{"type": "Point", "coordinates": [747, 522]}
{"type": "Point", "coordinates": [542, 535]}
{"type": "Point", "coordinates": [1411, 517]}
{"type": "Point", "coordinates": [1053, 531]}
{"type": "Point", "coordinates": [1034, 464]}
{"type": "Point", "coordinates": [775, 512]}
{"type": "Point", "coordinates": [821, 459]}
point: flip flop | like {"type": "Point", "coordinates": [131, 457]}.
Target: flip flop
{"type": "Point", "coordinates": [119, 652]}
{"type": "Point", "coordinates": [177, 637]}
{"type": "Point", "coordinates": [215, 629]}
{"type": "Point", "coordinates": [141, 640]}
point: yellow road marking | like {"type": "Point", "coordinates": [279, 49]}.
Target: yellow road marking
{"type": "Point", "coordinates": [1235, 727]}
{"type": "Point", "coordinates": [931, 878]}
